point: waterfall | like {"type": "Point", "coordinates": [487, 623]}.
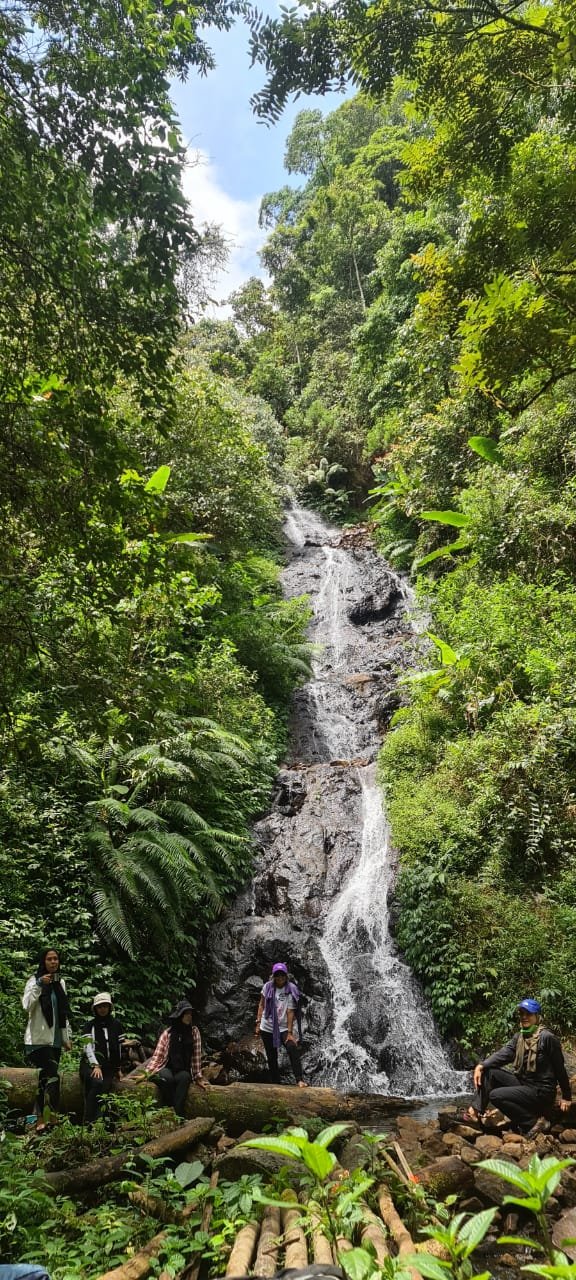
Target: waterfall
{"type": "Point", "coordinates": [319, 898]}
{"type": "Point", "coordinates": [369, 984]}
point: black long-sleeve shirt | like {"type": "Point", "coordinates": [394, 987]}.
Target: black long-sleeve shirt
{"type": "Point", "coordinates": [550, 1065]}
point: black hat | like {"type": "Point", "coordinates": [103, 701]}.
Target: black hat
{"type": "Point", "coordinates": [183, 1006]}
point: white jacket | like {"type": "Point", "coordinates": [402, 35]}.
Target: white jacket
{"type": "Point", "coordinates": [37, 1031]}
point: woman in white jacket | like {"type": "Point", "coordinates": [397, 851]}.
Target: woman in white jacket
{"type": "Point", "coordinates": [48, 1030]}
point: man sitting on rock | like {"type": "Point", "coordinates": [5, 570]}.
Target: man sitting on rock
{"type": "Point", "coordinates": [526, 1092]}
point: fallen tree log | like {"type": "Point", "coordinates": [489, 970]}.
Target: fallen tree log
{"type": "Point", "coordinates": [239, 1106]}
{"type": "Point", "coordinates": [448, 1175]}
{"type": "Point", "coordinates": [141, 1264]}
{"type": "Point", "coordinates": [85, 1177]}
{"type": "Point", "coordinates": [153, 1207]}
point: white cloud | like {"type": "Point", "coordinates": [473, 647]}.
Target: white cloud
{"type": "Point", "coordinates": [238, 220]}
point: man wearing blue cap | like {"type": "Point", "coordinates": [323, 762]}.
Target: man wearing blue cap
{"type": "Point", "coordinates": [520, 1079]}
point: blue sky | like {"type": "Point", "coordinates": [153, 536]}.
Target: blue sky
{"type": "Point", "coordinates": [235, 159]}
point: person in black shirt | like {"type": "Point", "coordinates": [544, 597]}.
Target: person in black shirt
{"type": "Point", "coordinates": [101, 1056]}
{"type": "Point", "coordinates": [527, 1092]}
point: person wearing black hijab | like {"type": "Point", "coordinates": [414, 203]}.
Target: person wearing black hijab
{"type": "Point", "coordinates": [176, 1060]}
{"type": "Point", "coordinates": [101, 1056]}
{"type": "Point", "coordinates": [48, 1029]}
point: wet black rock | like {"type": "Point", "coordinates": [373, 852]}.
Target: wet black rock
{"type": "Point", "coordinates": [289, 793]}
{"type": "Point", "coordinates": [374, 606]}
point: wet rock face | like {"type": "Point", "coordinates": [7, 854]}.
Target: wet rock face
{"type": "Point", "coordinates": [324, 827]}
{"type": "Point", "coordinates": [299, 868]}
{"type": "Point", "coordinates": [376, 605]}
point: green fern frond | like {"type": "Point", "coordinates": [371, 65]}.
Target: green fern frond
{"type": "Point", "coordinates": [146, 818]}
{"type": "Point", "coordinates": [83, 756]}
{"type": "Point", "coordinates": [109, 807]}
{"type": "Point", "coordinates": [112, 921]}
{"type": "Point", "coordinates": [183, 814]}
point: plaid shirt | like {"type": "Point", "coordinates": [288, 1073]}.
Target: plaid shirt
{"type": "Point", "coordinates": [159, 1058]}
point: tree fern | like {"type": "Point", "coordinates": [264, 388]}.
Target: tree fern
{"type": "Point", "coordinates": [157, 840]}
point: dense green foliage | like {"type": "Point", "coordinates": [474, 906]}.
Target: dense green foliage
{"type": "Point", "coordinates": [147, 654]}
{"type": "Point", "coordinates": [77, 1242]}
{"type": "Point", "coordinates": [422, 321]}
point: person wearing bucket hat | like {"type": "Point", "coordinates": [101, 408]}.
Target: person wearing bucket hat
{"type": "Point", "coordinates": [176, 1060]}
{"type": "Point", "coordinates": [279, 1006]}
{"type": "Point", "coordinates": [520, 1079]}
{"type": "Point", "coordinates": [101, 1055]}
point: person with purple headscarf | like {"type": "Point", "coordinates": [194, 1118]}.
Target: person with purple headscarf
{"type": "Point", "coordinates": [279, 1006]}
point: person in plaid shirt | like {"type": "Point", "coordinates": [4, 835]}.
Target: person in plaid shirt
{"type": "Point", "coordinates": [176, 1060]}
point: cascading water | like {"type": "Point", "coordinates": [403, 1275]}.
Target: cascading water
{"type": "Point", "coordinates": [319, 898]}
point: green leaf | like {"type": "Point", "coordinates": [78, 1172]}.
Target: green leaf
{"type": "Point", "coordinates": [157, 483]}
{"type": "Point", "coordinates": [428, 1266]}
{"type": "Point", "coordinates": [474, 1230]}
{"type": "Point", "coordinates": [509, 1172]}
{"type": "Point", "coordinates": [529, 1244]}
{"type": "Point", "coordinates": [448, 656]}
{"type": "Point", "coordinates": [357, 1264]}
{"type": "Point", "coordinates": [533, 1203]}
{"type": "Point", "coordinates": [456, 518]}
{"type": "Point", "coordinates": [186, 1173]}
{"type": "Point", "coordinates": [461, 543]}
{"type": "Point", "coordinates": [317, 1159]}
{"type": "Point", "coordinates": [259, 1196]}
{"type": "Point", "coordinates": [328, 1135]}
{"type": "Point", "coordinates": [279, 1146]}
{"type": "Point", "coordinates": [188, 539]}
{"type": "Point", "coordinates": [486, 448]}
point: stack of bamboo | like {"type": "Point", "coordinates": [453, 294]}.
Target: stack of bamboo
{"type": "Point", "coordinates": [279, 1240]}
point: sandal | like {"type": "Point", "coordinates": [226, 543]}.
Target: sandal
{"type": "Point", "coordinates": [542, 1126]}
{"type": "Point", "coordinates": [470, 1116]}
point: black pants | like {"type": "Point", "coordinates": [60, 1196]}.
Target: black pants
{"type": "Point", "coordinates": [47, 1059]}
{"type": "Point", "coordinates": [94, 1090]}
{"type": "Point", "coordinates": [272, 1055]}
{"type": "Point", "coordinates": [173, 1087]}
{"type": "Point", "coordinates": [517, 1099]}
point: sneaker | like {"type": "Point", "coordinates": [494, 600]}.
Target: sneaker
{"type": "Point", "coordinates": [542, 1126]}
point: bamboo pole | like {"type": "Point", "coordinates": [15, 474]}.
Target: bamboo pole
{"type": "Point", "coordinates": [141, 1264]}
{"type": "Point", "coordinates": [243, 1250]}
{"type": "Point", "coordinates": [295, 1244]}
{"type": "Point", "coordinates": [396, 1170]}
{"type": "Point", "coordinates": [400, 1234]}
{"type": "Point", "coordinates": [267, 1255]}
{"type": "Point", "coordinates": [321, 1247]}
{"type": "Point", "coordinates": [393, 1221]}
{"type": "Point", "coordinates": [403, 1162]}
{"type": "Point", "coordinates": [373, 1233]}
